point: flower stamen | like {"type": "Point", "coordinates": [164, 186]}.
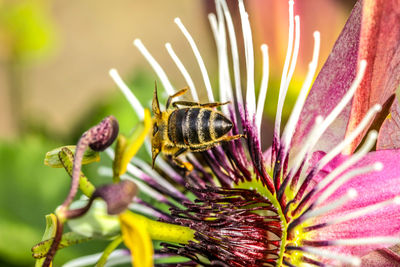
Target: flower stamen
{"type": "Point", "coordinates": [133, 101]}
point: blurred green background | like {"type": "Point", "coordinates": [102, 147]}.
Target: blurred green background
{"type": "Point", "coordinates": [54, 84]}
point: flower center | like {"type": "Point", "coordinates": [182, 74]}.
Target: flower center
{"type": "Point", "coordinates": [234, 226]}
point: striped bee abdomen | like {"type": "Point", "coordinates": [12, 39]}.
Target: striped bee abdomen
{"type": "Point", "coordinates": [220, 125]}
{"type": "Point", "coordinates": [175, 121]}
{"type": "Point", "coordinates": [196, 126]}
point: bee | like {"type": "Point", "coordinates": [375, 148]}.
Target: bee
{"type": "Point", "coordinates": [194, 127]}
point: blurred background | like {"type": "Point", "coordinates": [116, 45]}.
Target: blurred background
{"type": "Point", "coordinates": [54, 84]}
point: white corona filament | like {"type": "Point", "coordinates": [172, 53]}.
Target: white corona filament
{"type": "Point", "coordinates": [366, 241]}
{"type": "Point", "coordinates": [144, 210]}
{"type": "Point", "coordinates": [351, 194]}
{"type": "Point", "coordinates": [249, 55]}
{"type": "Point", "coordinates": [285, 69]}
{"type": "Point", "coordinates": [184, 72]}
{"type": "Point", "coordinates": [363, 211]}
{"type": "Point", "coordinates": [168, 170]}
{"type": "Point", "coordinates": [136, 173]}
{"type": "Point", "coordinates": [218, 28]}
{"type": "Point", "coordinates": [365, 148]}
{"type": "Point", "coordinates": [156, 67]}
{"type": "Point", "coordinates": [156, 177]}
{"type": "Point", "coordinates": [377, 166]}
{"type": "Point", "coordinates": [198, 58]}
{"type": "Point", "coordinates": [263, 88]}
{"type": "Point", "coordinates": [301, 99]}
{"type": "Point", "coordinates": [133, 101]}
{"type": "Point", "coordinates": [355, 261]}
{"type": "Point", "coordinates": [293, 62]}
{"type": "Point", "coordinates": [234, 51]}
{"type": "Point", "coordinates": [225, 78]}
{"type": "Point", "coordinates": [143, 187]}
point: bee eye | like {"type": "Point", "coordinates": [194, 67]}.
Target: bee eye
{"type": "Point", "coordinates": [155, 129]}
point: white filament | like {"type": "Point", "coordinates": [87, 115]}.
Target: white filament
{"type": "Point", "coordinates": [366, 241]}
{"type": "Point", "coordinates": [351, 194]}
{"type": "Point", "coordinates": [292, 66]}
{"type": "Point", "coordinates": [377, 166]}
{"type": "Point", "coordinates": [282, 92]}
{"type": "Point", "coordinates": [234, 50]}
{"type": "Point", "coordinates": [155, 176]}
{"type": "Point", "coordinates": [183, 70]}
{"type": "Point", "coordinates": [143, 187]}
{"type": "Point", "coordinates": [156, 67]}
{"type": "Point", "coordinates": [301, 99]}
{"type": "Point", "coordinates": [198, 58]}
{"type": "Point", "coordinates": [263, 88]}
{"type": "Point", "coordinates": [355, 261]}
{"type": "Point", "coordinates": [133, 101]}
{"type": "Point", "coordinates": [249, 55]}
{"type": "Point", "coordinates": [136, 207]}
{"type": "Point", "coordinates": [225, 87]}
{"type": "Point", "coordinates": [226, 93]}
{"type": "Point", "coordinates": [136, 173]}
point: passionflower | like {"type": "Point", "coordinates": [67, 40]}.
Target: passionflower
{"type": "Point", "coordinates": [316, 197]}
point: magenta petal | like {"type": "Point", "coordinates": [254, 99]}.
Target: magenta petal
{"type": "Point", "coordinates": [389, 134]}
{"type": "Point", "coordinates": [380, 46]}
{"type": "Point", "coordinates": [332, 83]}
{"type": "Point", "coordinates": [372, 188]}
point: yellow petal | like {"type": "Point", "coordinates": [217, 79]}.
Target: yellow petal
{"type": "Point", "coordinates": [134, 142]}
{"type": "Point", "coordinates": [137, 239]}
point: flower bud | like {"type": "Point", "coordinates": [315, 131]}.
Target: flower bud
{"type": "Point", "coordinates": [103, 134]}
{"type": "Point", "coordinates": [117, 196]}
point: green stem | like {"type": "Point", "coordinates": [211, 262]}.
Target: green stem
{"type": "Point", "coordinates": [170, 232]}
{"type": "Point", "coordinates": [110, 248]}
{"type": "Point", "coordinates": [165, 231]}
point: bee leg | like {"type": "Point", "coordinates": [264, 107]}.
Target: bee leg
{"type": "Point", "coordinates": [179, 152]}
{"type": "Point", "coordinates": [185, 103]}
{"type": "Point", "coordinates": [231, 137]}
{"type": "Point", "coordinates": [184, 165]}
{"type": "Point", "coordinates": [179, 93]}
{"type": "Point", "coordinates": [214, 105]}
{"type": "Point", "coordinates": [204, 105]}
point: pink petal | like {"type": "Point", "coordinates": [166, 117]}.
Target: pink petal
{"type": "Point", "coordinates": [332, 83]}
{"type": "Point", "coordinates": [380, 46]}
{"type": "Point", "coordinates": [389, 134]}
{"type": "Point", "coordinates": [372, 188]}
{"type": "Point", "coordinates": [381, 257]}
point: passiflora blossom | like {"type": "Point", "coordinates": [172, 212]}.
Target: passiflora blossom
{"type": "Point", "coordinates": [316, 197]}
